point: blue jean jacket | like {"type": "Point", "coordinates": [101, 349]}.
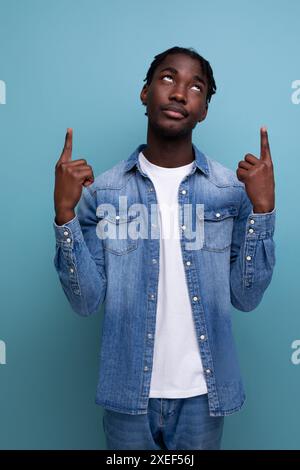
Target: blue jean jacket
{"type": "Point", "coordinates": [233, 267]}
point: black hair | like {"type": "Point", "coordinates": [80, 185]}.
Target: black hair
{"type": "Point", "coordinates": [205, 67]}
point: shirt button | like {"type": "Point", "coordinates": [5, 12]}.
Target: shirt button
{"type": "Point", "coordinates": [117, 217]}
{"type": "Point", "coordinates": [154, 261]}
{"type": "Point", "coordinates": [146, 368]}
{"type": "Point", "coordinates": [202, 337]}
{"type": "Point", "coordinates": [188, 263]}
{"type": "Point", "coordinates": [71, 270]}
{"type": "Point", "coordinates": [251, 230]}
{"type": "Point", "coordinates": [252, 221]}
{"type": "Point", "coordinates": [183, 191]}
{"type": "Point", "coordinates": [208, 371]}
{"type": "Point", "coordinates": [152, 296]}
{"type": "Point", "coordinates": [183, 227]}
{"type": "Point", "coordinates": [195, 298]}
{"type": "Point", "coordinates": [150, 189]}
{"type": "Point", "coordinates": [66, 233]}
{"type": "Point", "coordinates": [150, 335]}
{"type": "Point", "coordinates": [68, 240]}
{"type": "Point", "coordinates": [218, 214]}
{"type": "Point", "coordinates": [248, 258]}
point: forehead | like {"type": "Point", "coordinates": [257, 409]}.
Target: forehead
{"type": "Point", "coordinates": [183, 63]}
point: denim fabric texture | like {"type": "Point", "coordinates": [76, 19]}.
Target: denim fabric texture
{"type": "Point", "coordinates": [233, 268]}
{"type": "Point", "coordinates": [170, 424]}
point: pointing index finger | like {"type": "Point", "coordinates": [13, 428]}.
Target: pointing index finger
{"type": "Point", "coordinates": [265, 152]}
{"type": "Point", "coordinates": [67, 150]}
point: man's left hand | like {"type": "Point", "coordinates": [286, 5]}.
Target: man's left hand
{"type": "Point", "coordinates": [258, 176]}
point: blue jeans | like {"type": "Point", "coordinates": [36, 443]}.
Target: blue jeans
{"type": "Point", "coordinates": [170, 423]}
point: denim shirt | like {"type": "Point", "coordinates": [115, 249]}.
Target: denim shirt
{"type": "Point", "coordinates": [233, 267]}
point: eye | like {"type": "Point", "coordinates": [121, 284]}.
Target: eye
{"type": "Point", "coordinates": [170, 76]}
{"type": "Point", "coordinates": [199, 87]}
{"type": "Point", "coordinates": [167, 76]}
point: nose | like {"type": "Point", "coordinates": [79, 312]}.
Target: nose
{"type": "Point", "coordinates": [179, 94]}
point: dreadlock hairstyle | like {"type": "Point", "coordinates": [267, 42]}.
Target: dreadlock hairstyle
{"type": "Point", "coordinates": [205, 66]}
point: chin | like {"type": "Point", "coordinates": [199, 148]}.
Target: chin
{"type": "Point", "coordinates": [169, 130]}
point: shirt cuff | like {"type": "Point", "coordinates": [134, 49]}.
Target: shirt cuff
{"type": "Point", "coordinates": [67, 233]}
{"type": "Point", "coordinates": [263, 213]}
{"type": "Point", "coordinates": [261, 225]}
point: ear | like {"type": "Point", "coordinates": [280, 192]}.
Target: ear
{"type": "Point", "coordinates": [143, 94]}
{"type": "Point", "coordinates": [204, 113]}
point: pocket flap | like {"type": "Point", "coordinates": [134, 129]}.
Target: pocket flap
{"type": "Point", "coordinates": [118, 218]}
{"type": "Point", "coordinates": [220, 213]}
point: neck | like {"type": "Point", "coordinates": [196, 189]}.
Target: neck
{"type": "Point", "coordinates": [169, 152]}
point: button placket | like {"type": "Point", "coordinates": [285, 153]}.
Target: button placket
{"type": "Point", "coordinates": [250, 227]}
{"type": "Point", "coordinates": [249, 258]}
{"type": "Point", "coordinates": [196, 301]}
{"type": "Point", "coordinates": [67, 236]}
{"type": "Point", "coordinates": [151, 292]}
{"type": "Point", "coordinates": [74, 283]}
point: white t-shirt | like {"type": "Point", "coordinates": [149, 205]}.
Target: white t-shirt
{"type": "Point", "coordinates": [177, 370]}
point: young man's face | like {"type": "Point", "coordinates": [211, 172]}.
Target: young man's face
{"type": "Point", "coordinates": [177, 82]}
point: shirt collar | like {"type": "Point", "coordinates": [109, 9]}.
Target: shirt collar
{"type": "Point", "coordinates": [200, 159]}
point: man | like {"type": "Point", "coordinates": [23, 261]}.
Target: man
{"type": "Point", "coordinates": [169, 371]}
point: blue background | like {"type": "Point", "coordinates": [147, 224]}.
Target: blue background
{"type": "Point", "coordinates": [81, 64]}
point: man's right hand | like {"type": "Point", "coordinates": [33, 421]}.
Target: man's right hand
{"type": "Point", "coordinates": [70, 176]}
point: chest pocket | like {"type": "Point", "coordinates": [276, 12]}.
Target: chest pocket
{"type": "Point", "coordinates": [116, 233]}
{"type": "Point", "coordinates": [218, 226]}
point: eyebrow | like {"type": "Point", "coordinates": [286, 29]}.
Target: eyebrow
{"type": "Point", "coordinates": [195, 77]}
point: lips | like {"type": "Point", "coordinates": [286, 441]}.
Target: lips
{"type": "Point", "coordinates": [174, 111]}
